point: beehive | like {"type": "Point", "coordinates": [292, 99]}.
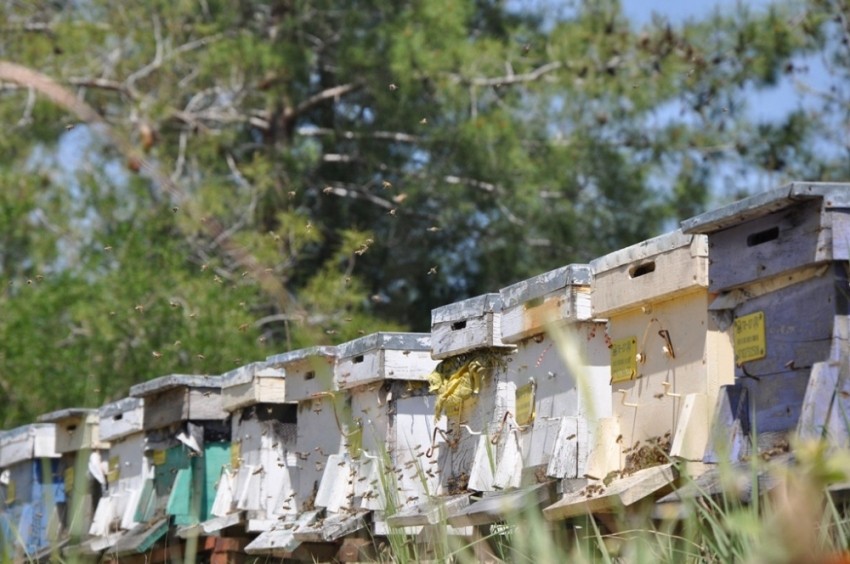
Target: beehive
{"type": "Point", "coordinates": [262, 464]}
{"type": "Point", "coordinates": [309, 382]}
{"type": "Point", "coordinates": [31, 488]}
{"type": "Point", "coordinates": [778, 265]}
{"type": "Point", "coordinates": [383, 377]}
{"type": "Point", "coordinates": [126, 469]}
{"type": "Point", "coordinates": [668, 360]}
{"type": "Point", "coordinates": [471, 396]}
{"type": "Point", "coordinates": [187, 442]}
{"type": "Point", "coordinates": [558, 393]}
{"type": "Point", "coordinates": [83, 476]}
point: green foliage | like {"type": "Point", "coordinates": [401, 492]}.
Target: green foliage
{"type": "Point", "coordinates": [473, 143]}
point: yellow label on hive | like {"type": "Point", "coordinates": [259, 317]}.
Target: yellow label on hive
{"type": "Point", "coordinates": [114, 470]}
{"type": "Point", "coordinates": [10, 491]}
{"type": "Point", "coordinates": [749, 341]}
{"type": "Point", "coordinates": [525, 404]}
{"type": "Point", "coordinates": [69, 479]}
{"type": "Point", "coordinates": [623, 360]}
{"type": "Point", "coordinates": [159, 457]}
{"type": "Point", "coordinates": [235, 455]}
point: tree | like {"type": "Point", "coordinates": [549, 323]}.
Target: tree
{"type": "Point", "coordinates": [243, 177]}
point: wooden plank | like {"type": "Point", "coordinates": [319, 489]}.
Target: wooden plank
{"type": "Point", "coordinates": [332, 528]}
{"type": "Point", "coordinates": [435, 510]}
{"type": "Point", "coordinates": [621, 493]}
{"type": "Point", "coordinates": [730, 435]}
{"type": "Point", "coordinates": [564, 461]}
{"type": "Point", "coordinates": [503, 506]}
{"type": "Point", "coordinates": [509, 467]}
{"type": "Point", "coordinates": [693, 429]}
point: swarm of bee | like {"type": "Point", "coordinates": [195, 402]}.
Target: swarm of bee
{"type": "Point", "coordinates": [456, 379]}
{"type": "Point", "coordinates": [654, 452]}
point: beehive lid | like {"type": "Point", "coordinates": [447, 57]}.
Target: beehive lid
{"type": "Point", "coordinates": [836, 195]}
{"type": "Point", "coordinates": [386, 341]}
{"type": "Point", "coordinates": [546, 283]}
{"type": "Point", "coordinates": [119, 407]}
{"type": "Point", "coordinates": [467, 309]}
{"type": "Point", "coordinates": [27, 442]}
{"type": "Point", "coordinates": [64, 414]}
{"type": "Point", "coordinates": [246, 374]}
{"type": "Point", "coordinates": [649, 249]}
{"type": "Point", "coordinates": [301, 354]}
{"type": "Point", "coordinates": [165, 383]}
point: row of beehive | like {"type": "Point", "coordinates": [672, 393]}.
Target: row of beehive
{"type": "Point", "coordinates": [571, 391]}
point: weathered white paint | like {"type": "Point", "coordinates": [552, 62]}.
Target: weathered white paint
{"type": "Point", "coordinates": [251, 384]}
{"type": "Point", "coordinates": [466, 325]}
{"type": "Point", "coordinates": [24, 443]}
{"type": "Point", "coordinates": [76, 429]}
{"type": "Point", "coordinates": [121, 418]}
{"type": "Point", "coordinates": [176, 398]}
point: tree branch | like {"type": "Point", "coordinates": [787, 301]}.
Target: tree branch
{"type": "Point", "coordinates": [510, 78]}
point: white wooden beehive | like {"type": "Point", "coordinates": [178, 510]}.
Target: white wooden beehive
{"type": "Point", "coordinates": [310, 382]}
{"type": "Point", "coordinates": [668, 360]}
{"type": "Point", "coordinates": [126, 467]}
{"type": "Point", "coordinates": [553, 400]}
{"type": "Point", "coordinates": [384, 375]}
{"type": "Point", "coordinates": [777, 267]}
{"type": "Point", "coordinates": [558, 399]}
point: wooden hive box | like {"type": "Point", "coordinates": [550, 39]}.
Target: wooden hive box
{"type": "Point", "coordinates": [558, 395]}
{"type": "Point", "coordinates": [668, 359]}
{"type": "Point", "coordinates": [471, 396]}
{"type": "Point", "coordinates": [31, 489]}
{"type": "Point", "coordinates": [309, 382]}
{"type": "Point", "coordinates": [252, 384]}
{"type": "Point", "coordinates": [778, 267]}
{"type": "Point", "coordinates": [76, 429]}
{"type": "Point", "coordinates": [463, 326]}
{"type": "Point", "coordinates": [78, 442]}
{"type": "Point", "coordinates": [187, 442]}
{"type": "Point", "coordinates": [390, 415]}
{"type": "Point", "coordinates": [177, 398]}
{"type": "Point", "coordinates": [126, 469]}
{"type": "Point", "coordinates": [262, 470]}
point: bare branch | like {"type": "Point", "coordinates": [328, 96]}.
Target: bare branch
{"type": "Point", "coordinates": [100, 83]}
{"type": "Point", "coordinates": [511, 78]}
{"type": "Point", "coordinates": [397, 136]}
{"type": "Point", "coordinates": [320, 97]}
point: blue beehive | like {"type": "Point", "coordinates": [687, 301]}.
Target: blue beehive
{"type": "Point", "coordinates": [31, 490]}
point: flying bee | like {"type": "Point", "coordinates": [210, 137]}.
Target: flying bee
{"type": "Point", "coordinates": [432, 271]}
{"type": "Point", "coordinates": [156, 354]}
{"type": "Point", "coordinates": [386, 184]}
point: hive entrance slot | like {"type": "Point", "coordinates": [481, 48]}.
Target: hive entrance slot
{"type": "Point", "coordinates": [458, 325]}
{"type": "Point", "coordinates": [642, 269]}
{"type": "Point", "coordinates": [762, 237]}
